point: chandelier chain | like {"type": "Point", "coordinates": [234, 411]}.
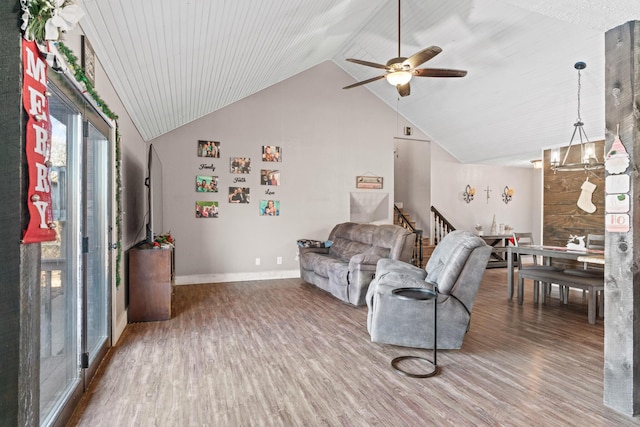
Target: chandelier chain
{"type": "Point", "coordinates": [588, 159]}
{"type": "Point", "coordinates": [579, 87]}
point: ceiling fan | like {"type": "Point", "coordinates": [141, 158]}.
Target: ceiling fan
{"type": "Point", "coordinates": [400, 70]}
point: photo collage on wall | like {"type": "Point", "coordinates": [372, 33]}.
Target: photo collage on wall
{"type": "Point", "coordinates": [239, 192]}
{"type": "Point", "coordinates": [271, 178]}
{"type": "Point", "coordinates": [207, 183]}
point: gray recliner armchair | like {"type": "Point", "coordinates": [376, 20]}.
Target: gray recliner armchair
{"type": "Point", "coordinates": [456, 267]}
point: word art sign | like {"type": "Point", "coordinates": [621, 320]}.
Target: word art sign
{"type": "Point", "coordinates": [617, 223]}
{"type": "Point", "coordinates": [38, 145]}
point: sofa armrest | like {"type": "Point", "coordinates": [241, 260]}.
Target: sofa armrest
{"type": "Point", "coordinates": [387, 282]}
{"type": "Point", "coordinates": [386, 265]}
{"type": "Point", "coordinates": [303, 251]}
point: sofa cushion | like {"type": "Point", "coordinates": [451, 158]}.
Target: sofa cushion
{"type": "Point", "coordinates": [322, 264]}
{"type": "Point", "coordinates": [308, 260]}
{"type": "Point", "coordinates": [362, 233]}
{"type": "Point", "coordinates": [379, 251]}
{"type": "Point", "coordinates": [344, 249]}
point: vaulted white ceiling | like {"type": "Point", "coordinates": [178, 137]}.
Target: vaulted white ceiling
{"type": "Point", "coordinates": [173, 61]}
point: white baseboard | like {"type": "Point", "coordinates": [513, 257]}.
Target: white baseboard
{"type": "Point", "coordinates": [120, 324]}
{"type": "Point", "coordinates": [235, 277]}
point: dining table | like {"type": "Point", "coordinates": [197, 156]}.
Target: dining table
{"type": "Point", "coordinates": [547, 253]}
{"type": "Point", "coordinates": [499, 244]}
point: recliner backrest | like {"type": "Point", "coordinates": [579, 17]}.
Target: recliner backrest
{"type": "Point", "coordinates": [449, 258]}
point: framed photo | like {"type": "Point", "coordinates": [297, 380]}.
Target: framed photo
{"type": "Point", "coordinates": [269, 207]}
{"type": "Point", "coordinates": [205, 209]}
{"type": "Point", "coordinates": [240, 165]}
{"type": "Point", "coordinates": [206, 184]}
{"type": "Point", "coordinates": [369, 182]}
{"type": "Point", "coordinates": [239, 195]}
{"type": "Point", "coordinates": [271, 153]}
{"type": "Point", "coordinates": [209, 149]}
{"type": "Point", "coordinates": [88, 60]}
{"type": "Point", "coordinates": [269, 177]}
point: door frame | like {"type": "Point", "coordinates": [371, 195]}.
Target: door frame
{"type": "Point", "coordinates": [69, 89]}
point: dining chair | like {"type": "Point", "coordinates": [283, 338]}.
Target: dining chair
{"type": "Point", "coordinates": [594, 241]}
{"type": "Point", "coordinates": [531, 262]}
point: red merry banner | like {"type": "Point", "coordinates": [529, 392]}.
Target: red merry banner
{"type": "Point", "coordinates": [38, 145]}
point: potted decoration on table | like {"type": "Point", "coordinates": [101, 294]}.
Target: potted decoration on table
{"type": "Point", "coordinates": [164, 241]}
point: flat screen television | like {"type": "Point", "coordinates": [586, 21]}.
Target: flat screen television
{"type": "Point", "coordinates": [155, 226]}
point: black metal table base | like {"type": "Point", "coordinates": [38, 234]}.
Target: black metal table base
{"type": "Point", "coordinates": [396, 362]}
{"type": "Point", "coordinates": [420, 294]}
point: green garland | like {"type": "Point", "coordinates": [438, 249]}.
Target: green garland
{"type": "Point", "coordinates": [118, 205]}
{"type": "Point", "coordinates": [79, 75]}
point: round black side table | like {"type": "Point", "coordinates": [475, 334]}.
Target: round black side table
{"type": "Point", "coordinates": [420, 294]}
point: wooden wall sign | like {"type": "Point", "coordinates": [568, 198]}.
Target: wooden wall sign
{"type": "Point", "coordinates": [369, 182]}
{"type": "Point", "coordinates": [617, 200]}
{"type": "Point", "coordinates": [38, 145]}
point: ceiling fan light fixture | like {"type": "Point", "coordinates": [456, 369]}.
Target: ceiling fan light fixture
{"type": "Point", "coordinates": [400, 70]}
{"type": "Point", "coordinates": [399, 78]}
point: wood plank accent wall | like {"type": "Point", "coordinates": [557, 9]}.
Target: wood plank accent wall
{"type": "Point", "coordinates": [561, 215]}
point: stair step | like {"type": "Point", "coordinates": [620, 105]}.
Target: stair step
{"type": "Point", "coordinates": [427, 247]}
{"type": "Point", "coordinates": [428, 250]}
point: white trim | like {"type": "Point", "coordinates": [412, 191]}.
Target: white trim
{"type": "Point", "coordinates": [236, 277]}
{"type": "Point", "coordinates": [119, 327]}
{"type": "Point", "coordinates": [94, 104]}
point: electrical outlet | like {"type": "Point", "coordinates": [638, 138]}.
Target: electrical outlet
{"type": "Point", "coordinates": [257, 261]}
{"type": "Point", "coordinates": [279, 260]}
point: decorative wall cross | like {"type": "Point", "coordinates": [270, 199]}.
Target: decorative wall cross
{"type": "Point", "coordinates": [488, 190]}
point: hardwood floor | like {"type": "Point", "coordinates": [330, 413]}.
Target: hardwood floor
{"type": "Point", "coordinates": [284, 353]}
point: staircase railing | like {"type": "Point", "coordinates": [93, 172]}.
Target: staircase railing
{"type": "Point", "coordinates": [417, 258]}
{"type": "Point", "coordinates": [440, 227]}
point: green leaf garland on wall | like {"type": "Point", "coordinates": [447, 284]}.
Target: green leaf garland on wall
{"type": "Point", "coordinates": [78, 74]}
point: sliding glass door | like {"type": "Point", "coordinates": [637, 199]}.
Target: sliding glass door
{"type": "Point", "coordinates": [96, 244]}
{"type": "Point", "coordinates": [75, 269]}
{"type": "Point", "coordinates": [60, 265]}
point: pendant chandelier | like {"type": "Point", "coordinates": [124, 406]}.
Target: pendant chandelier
{"type": "Point", "coordinates": [588, 158]}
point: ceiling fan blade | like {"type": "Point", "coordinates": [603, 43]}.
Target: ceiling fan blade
{"type": "Point", "coordinates": [404, 90]}
{"type": "Point", "coordinates": [421, 57]}
{"type": "Point", "coordinates": [439, 72]}
{"type": "Point", "coordinates": [367, 63]}
{"type": "Point", "coordinates": [364, 82]}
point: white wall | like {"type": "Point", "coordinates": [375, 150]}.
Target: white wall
{"type": "Point", "coordinates": [450, 177]}
{"type": "Point", "coordinates": [328, 137]}
{"type": "Point", "coordinates": [133, 172]}
{"type": "Point", "coordinates": [412, 171]}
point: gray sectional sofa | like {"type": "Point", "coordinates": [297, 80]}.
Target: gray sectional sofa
{"type": "Point", "coordinates": [346, 267]}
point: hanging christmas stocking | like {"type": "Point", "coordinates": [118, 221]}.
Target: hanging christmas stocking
{"type": "Point", "coordinates": [584, 202]}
